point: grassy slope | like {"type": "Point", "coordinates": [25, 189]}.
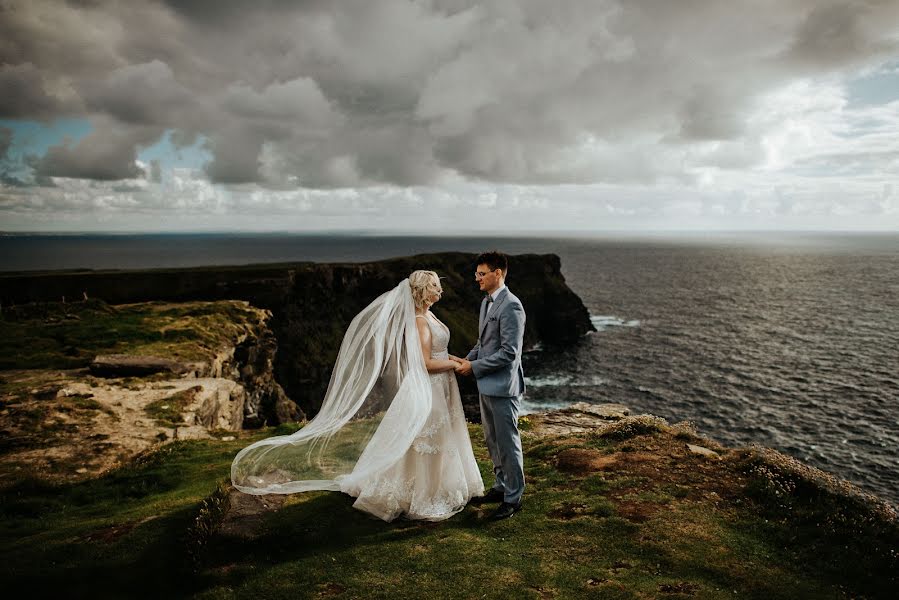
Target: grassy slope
{"type": "Point", "coordinates": [626, 515]}
{"type": "Point", "coordinates": [69, 336]}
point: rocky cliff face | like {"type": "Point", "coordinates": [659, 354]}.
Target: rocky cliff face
{"type": "Point", "coordinates": [312, 304]}
{"type": "Point", "coordinates": [252, 364]}
{"type": "Point", "coordinates": [179, 371]}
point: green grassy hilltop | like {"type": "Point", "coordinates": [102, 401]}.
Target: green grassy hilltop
{"type": "Point", "coordinates": [622, 512]}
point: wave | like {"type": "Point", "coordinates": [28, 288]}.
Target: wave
{"type": "Point", "coordinates": [538, 347]}
{"type": "Point", "coordinates": [557, 380]}
{"type": "Point", "coordinates": [603, 322]}
{"type": "Point", "coordinates": [528, 407]}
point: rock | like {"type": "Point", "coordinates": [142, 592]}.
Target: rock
{"type": "Point", "coordinates": [703, 451]}
{"type": "Point", "coordinates": [125, 365]}
{"type": "Point", "coordinates": [246, 514]}
{"type": "Point", "coordinates": [45, 392]}
{"type": "Point", "coordinates": [604, 411]}
{"type": "Point", "coordinates": [66, 393]}
{"type": "Point", "coordinates": [228, 438]}
{"type": "Point", "coordinates": [577, 418]}
{"type": "Point", "coordinates": [216, 404]}
{"type": "Point", "coordinates": [253, 359]}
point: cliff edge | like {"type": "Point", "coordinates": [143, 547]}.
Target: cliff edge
{"type": "Point", "coordinates": [312, 303]}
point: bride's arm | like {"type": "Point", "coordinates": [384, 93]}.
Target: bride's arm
{"type": "Point", "coordinates": [433, 365]}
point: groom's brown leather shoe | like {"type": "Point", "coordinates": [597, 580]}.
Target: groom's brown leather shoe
{"type": "Point", "coordinates": [505, 511]}
{"type": "Point", "coordinates": [494, 495]}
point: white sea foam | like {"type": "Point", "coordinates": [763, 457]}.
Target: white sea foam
{"type": "Point", "coordinates": [547, 381]}
{"type": "Point", "coordinates": [603, 322]}
{"type": "Point", "coordinates": [528, 407]}
{"type": "Point", "coordinates": [563, 381]}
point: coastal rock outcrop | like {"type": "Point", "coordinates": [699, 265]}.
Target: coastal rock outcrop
{"type": "Point", "coordinates": [179, 371]}
{"type": "Point", "coordinates": [312, 304]}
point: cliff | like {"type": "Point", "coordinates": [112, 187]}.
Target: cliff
{"type": "Point", "coordinates": [312, 304]}
{"type": "Point", "coordinates": [119, 425]}
{"type": "Point", "coordinates": [85, 386]}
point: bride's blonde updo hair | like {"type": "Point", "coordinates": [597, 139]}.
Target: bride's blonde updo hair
{"type": "Point", "coordinates": [423, 284]}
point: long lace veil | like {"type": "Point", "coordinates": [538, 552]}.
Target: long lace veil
{"type": "Point", "coordinates": [377, 401]}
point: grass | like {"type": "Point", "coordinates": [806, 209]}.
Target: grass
{"type": "Point", "coordinates": [68, 336]}
{"type": "Point", "coordinates": [654, 522]}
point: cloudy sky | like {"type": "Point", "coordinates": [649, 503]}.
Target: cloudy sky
{"type": "Point", "coordinates": [449, 115]}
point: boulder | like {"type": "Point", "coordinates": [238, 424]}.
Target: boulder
{"type": "Point", "coordinates": [126, 365]}
{"type": "Point", "coordinates": [703, 451]}
{"type": "Point", "coordinates": [216, 403]}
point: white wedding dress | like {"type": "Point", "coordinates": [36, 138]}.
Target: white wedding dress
{"type": "Point", "coordinates": [388, 432]}
{"type": "Point", "coordinates": [438, 474]}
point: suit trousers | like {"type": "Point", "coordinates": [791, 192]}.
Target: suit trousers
{"type": "Point", "coordinates": [499, 417]}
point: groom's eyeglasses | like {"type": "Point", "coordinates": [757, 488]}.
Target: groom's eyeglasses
{"type": "Point", "coordinates": [482, 274]}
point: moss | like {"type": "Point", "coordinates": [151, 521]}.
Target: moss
{"type": "Point", "coordinates": [82, 402]}
{"type": "Point", "coordinates": [168, 411]}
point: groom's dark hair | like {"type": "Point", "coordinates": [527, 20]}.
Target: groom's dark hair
{"type": "Point", "coordinates": [494, 260]}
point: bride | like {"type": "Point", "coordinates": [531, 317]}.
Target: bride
{"type": "Point", "coordinates": [391, 431]}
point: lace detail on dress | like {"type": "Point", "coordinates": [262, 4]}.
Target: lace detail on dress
{"type": "Point", "coordinates": [394, 499]}
{"type": "Point", "coordinates": [442, 391]}
{"type": "Point", "coordinates": [440, 336]}
{"type": "Point", "coordinates": [423, 447]}
{"type": "Point", "coordinates": [392, 496]}
{"type": "Point", "coordinates": [438, 474]}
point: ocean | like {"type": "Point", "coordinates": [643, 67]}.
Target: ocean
{"type": "Point", "coordinates": [788, 340]}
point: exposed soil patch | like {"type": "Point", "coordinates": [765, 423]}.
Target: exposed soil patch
{"type": "Point", "coordinates": [569, 510]}
{"type": "Point", "coordinates": [583, 461]}
{"type": "Point", "coordinates": [637, 512]}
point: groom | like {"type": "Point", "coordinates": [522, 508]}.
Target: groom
{"type": "Point", "coordinates": [496, 363]}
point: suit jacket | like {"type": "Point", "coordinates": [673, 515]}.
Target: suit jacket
{"type": "Point", "coordinates": [496, 358]}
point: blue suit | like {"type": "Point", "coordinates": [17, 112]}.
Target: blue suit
{"type": "Point", "coordinates": [496, 365]}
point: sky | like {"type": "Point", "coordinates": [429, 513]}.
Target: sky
{"type": "Point", "coordinates": [449, 116]}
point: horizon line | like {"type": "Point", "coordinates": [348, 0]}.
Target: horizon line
{"type": "Point", "coordinates": [441, 234]}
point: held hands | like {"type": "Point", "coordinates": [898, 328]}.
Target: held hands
{"type": "Point", "coordinates": [464, 367]}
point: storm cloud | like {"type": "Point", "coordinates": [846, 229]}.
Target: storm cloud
{"type": "Point", "coordinates": [328, 95]}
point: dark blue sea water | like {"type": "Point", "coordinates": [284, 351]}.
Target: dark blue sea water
{"type": "Point", "coordinates": [788, 340]}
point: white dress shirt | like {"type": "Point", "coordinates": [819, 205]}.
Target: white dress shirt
{"type": "Point", "coordinates": [494, 295]}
